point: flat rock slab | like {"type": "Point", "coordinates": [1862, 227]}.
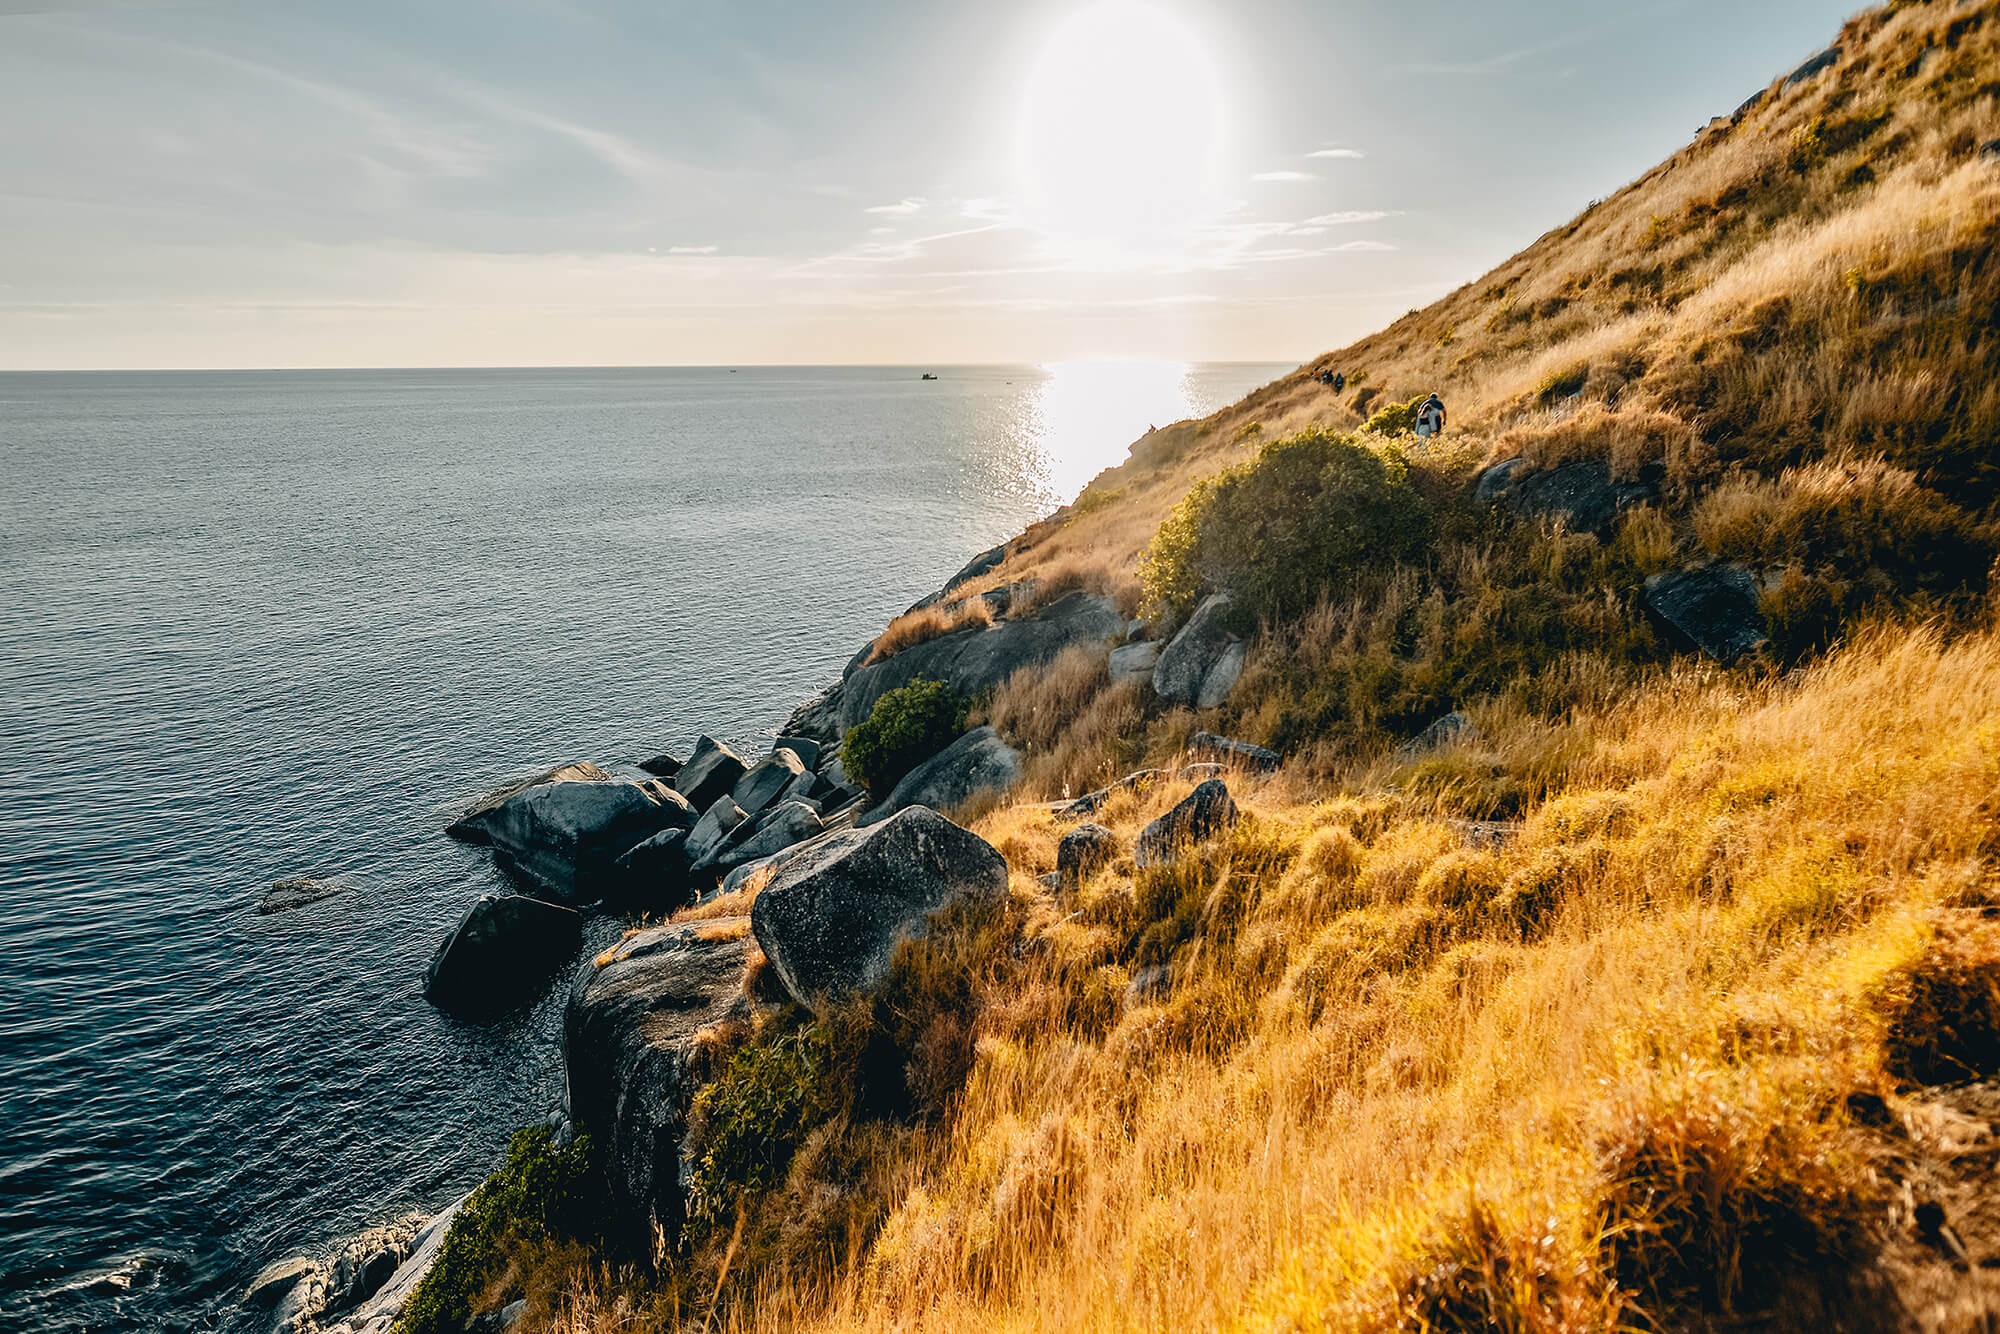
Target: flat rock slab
{"type": "Point", "coordinates": [830, 920]}
{"type": "Point", "coordinates": [633, 1062]}
{"type": "Point", "coordinates": [1239, 754]}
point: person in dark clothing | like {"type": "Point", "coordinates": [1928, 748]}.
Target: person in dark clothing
{"type": "Point", "coordinates": [1339, 382]}
{"type": "Point", "coordinates": [1430, 418]}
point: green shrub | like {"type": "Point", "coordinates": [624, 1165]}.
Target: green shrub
{"type": "Point", "coordinates": [751, 1119]}
{"type": "Point", "coordinates": [905, 728]}
{"type": "Point", "coordinates": [538, 1194]}
{"type": "Point", "coordinates": [1397, 418]}
{"type": "Point", "coordinates": [1564, 383]}
{"type": "Point", "coordinates": [1279, 531]}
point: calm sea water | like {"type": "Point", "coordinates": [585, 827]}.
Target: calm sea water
{"type": "Point", "coordinates": [262, 625]}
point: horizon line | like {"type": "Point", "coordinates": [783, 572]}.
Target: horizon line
{"type": "Point", "coordinates": [651, 366]}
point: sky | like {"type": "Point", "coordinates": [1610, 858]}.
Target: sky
{"type": "Point", "coordinates": [260, 183]}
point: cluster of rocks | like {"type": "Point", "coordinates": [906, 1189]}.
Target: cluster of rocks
{"type": "Point", "coordinates": [1710, 608]}
{"type": "Point", "coordinates": [362, 1289]}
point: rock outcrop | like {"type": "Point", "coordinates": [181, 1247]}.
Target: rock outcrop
{"type": "Point", "coordinates": [561, 839]}
{"type": "Point", "coordinates": [709, 773]}
{"type": "Point", "coordinates": [1201, 664]}
{"type": "Point", "coordinates": [830, 920]}
{"type": "Point", "coordinates": [466, 826]}
{"type": "Point", "coordinates": [1449, 730]}
{"type": "Point", "coordinates": [500, 953]}
{"type": "Point", "coordinates": [632, 1062]}
{"type": "Point", "coordinates": [977, 762]}
{"type": "Point", "coordinates": [978, 659]}
{"type": "Point", "coordinates": [1583, 496]}
{"type": "Point", "coordinates": [1135, 662]}
{"type": "Point", "coordinates": [765, 782]}
{"type": "Point", "coordinates": [781, 828]}
{"type": "Point", "coordinates": [713, 833]}
{"type": "Point", "coordinates": [1205, 813]}
{"type": "Point", "coordinates": [1712, 608]}
{"type": "Point", "coordinates": [380, 1312]}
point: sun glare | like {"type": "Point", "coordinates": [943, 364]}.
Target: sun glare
{"type": "Point", "coordinates": [1121, 132]}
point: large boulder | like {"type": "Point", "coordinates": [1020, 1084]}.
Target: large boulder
{"type": "Point", "coordinates": [792, 823]}
{"type": "Point", "coordinates": [762, 786]}
{"type": "Point", "coordinates": [1583, 496]}
{"type": "Point", "coordinates": [633, 1060]}
{"type": "Point", "coordinates": [1201, 663]}
{"type": "Point", "coordinates": [500, 953]}
{"type": "Point", "coordinates": [662, 765]}
{"type": "Point", "coordinates": [654, 875]}
{"type": "Point", "coordinates": [1205, 813]}
{"type": "Point", "coordinates": [1083, 851]}
{"type": "Point", "coordinates": [709, 773]}
{"type": "Point", "coordinates": [561, 839]}
{"type": "Point", "coordinates": [469, 826]}
{"type": "Point", "coordinates": [978, 659]}
{"type": "Point", "coordinates": [977, 762]}
{"type": "Point", "coordinates": [805, 747]}
{"type": "Point", "coordinates": [1712, 608]}
{"type": "Point", "coordinates": [830, 920]}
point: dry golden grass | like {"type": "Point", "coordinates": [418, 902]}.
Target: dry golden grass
{"type": "Point", "coordinates": [934, 622]}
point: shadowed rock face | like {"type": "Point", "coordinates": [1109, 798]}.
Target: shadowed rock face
{"type": "Point", "coordinates": [632, 1064]}
{"type": "Point", "coordinates": [977, 762]}
{"type": "Point", "coordinates": [500, 953]}
{"type": "Point", "coordinates": [1201, 663]}
{"type": "Point", "coordinates": [1582, 495]}
{"type": "Point", "coordinates": [562, 838]}
{"type": "Point", "coordinates": [829, 921]}
{"type": "Point", "coordinates": [709, 773]}
{"type": "Point", "coordinates": [975, 660]}
{"type": "Point", "coordinates": [1713, 609]}
{"type": "Point", "coordinates": [761, 786]}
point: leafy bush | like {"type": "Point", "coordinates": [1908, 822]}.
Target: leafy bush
{"type": "Point", "coordinates": [538, 1194]}
{"type": "Point", "coordinates": [751, 1119]}
{"type": "Point", "coordinates": [905, 728]}
{"type": "Point", "coordinates": [1278, 531]}
{"type": "Point", "coordinates": [1397, 418]}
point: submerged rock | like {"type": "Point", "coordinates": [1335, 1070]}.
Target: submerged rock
{"type": "Point", "coordinates": [1713, 609]}
{"type": "Point", "coordinates": [1201, 664]}
{"type": "Point", "coordinates": [500, 953]}
{"type": "Point", "coordinates": [830, 920]}
{"type": "Point", "coordinates": [1205, 813]}
{"type": "Point", "coordinates": [977, 762]}
{"type": "Point", "coordinates": [632, 1061]}
{"type": "Point", "coordinates": [286, 895]}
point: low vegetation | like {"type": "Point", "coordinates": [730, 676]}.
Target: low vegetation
{"type": "Point", "coordinates": [906, 727]}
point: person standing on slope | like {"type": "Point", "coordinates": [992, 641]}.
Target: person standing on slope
{"type": "Point", "coordinates": [1430, 418]}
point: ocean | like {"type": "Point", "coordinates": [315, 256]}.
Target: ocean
{"type": "Point", "coordinates": [274, 624]}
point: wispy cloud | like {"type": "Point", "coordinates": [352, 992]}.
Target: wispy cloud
{"type": "Point", "coordinates": [1348, 217]}
{"type": "Point", "coordinates": [1358, 246]}
{"type": "Point", "coordinates": [1275, 176]}
{"type": "Point", "coordinates": [902, 209]}
{"type": "Point", "coordinates": [1343, 154]}
{"type": "Point", "coordinates": [692, 249]}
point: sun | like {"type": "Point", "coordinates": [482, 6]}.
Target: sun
{"type": "Point", "coordinates": [1121, 131]}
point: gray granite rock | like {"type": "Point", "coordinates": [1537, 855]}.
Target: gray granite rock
{"type": "Point", "coordinates": [562, 838]}
{"type": "Point", "coordinates": [1082, 853]}
{"type": "Point", "coordinates": [806, 748]}
{"type": "Point", "coordinates": [1204, 645]}
{"type": "Point", "coordinates": [788, 825]}
{"type": "Point", "coordinates": [1452, 729]}
{"type": "Point", "coordinates": [500, 953]}
{"type": "Point", "coordinates": [467, 827]}
{"type": "Point", "coordinates": [662, 765]}
{"type": "Point", "coordinates": [1205, 813]}
{"type": "Point", "coordinates": [1135, 662]}
{"type": "Point", "coordinates": [1240, 754]}
{"type": "Point", "coordinates": [765, 782]}
{"type": "Point", "coordinates": [711, 834]}
{"type": "Point", "coordinates": [976, 763]}
{"type": "Point", "coordinates": [709, 773]}
{"type": "Point", "coordinates": [830, 920]}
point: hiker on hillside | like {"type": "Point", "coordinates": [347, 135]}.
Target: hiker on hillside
{"type": "Point", "coordinates": [1340, 382]}
{"type": "Point", "coordinates": [1430, 418]}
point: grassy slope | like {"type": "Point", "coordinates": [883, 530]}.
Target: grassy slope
{"type": "Point", "coordinates": [1673, 1054]}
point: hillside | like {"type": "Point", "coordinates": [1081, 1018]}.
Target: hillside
{"type": "Point", "coordinates": [1655, 992]}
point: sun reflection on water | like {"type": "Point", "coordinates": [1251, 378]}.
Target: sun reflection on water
{"type": "Point", "coordinates": [1086, 415]}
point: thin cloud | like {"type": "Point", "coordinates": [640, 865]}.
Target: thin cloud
{"type": "Point", "coordinates": [1344, 154]}
{"type": "Point", "coordinates": [898, 210]}
{"type": "Point", "coordinates": [1347, 218]}
{"type": "Point", "coordinates": [692, 249]}
{"type": "Point", "coordinates": [1356, 246]}
{"type": "Point", "coordinates": [1283, 176]}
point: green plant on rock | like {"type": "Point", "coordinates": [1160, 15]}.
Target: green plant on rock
{"type": "Point", "coordinates": [751, 1119]}
{"type": "Point", "coordinates": [905, 728]}
{"type": "Point", "coordinates": [538, 1194]}
{"type": "Point", "coordinates": [1277, 532]}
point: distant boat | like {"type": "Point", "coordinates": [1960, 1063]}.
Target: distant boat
{"type": "Point", "coordinates": [928, 376]}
